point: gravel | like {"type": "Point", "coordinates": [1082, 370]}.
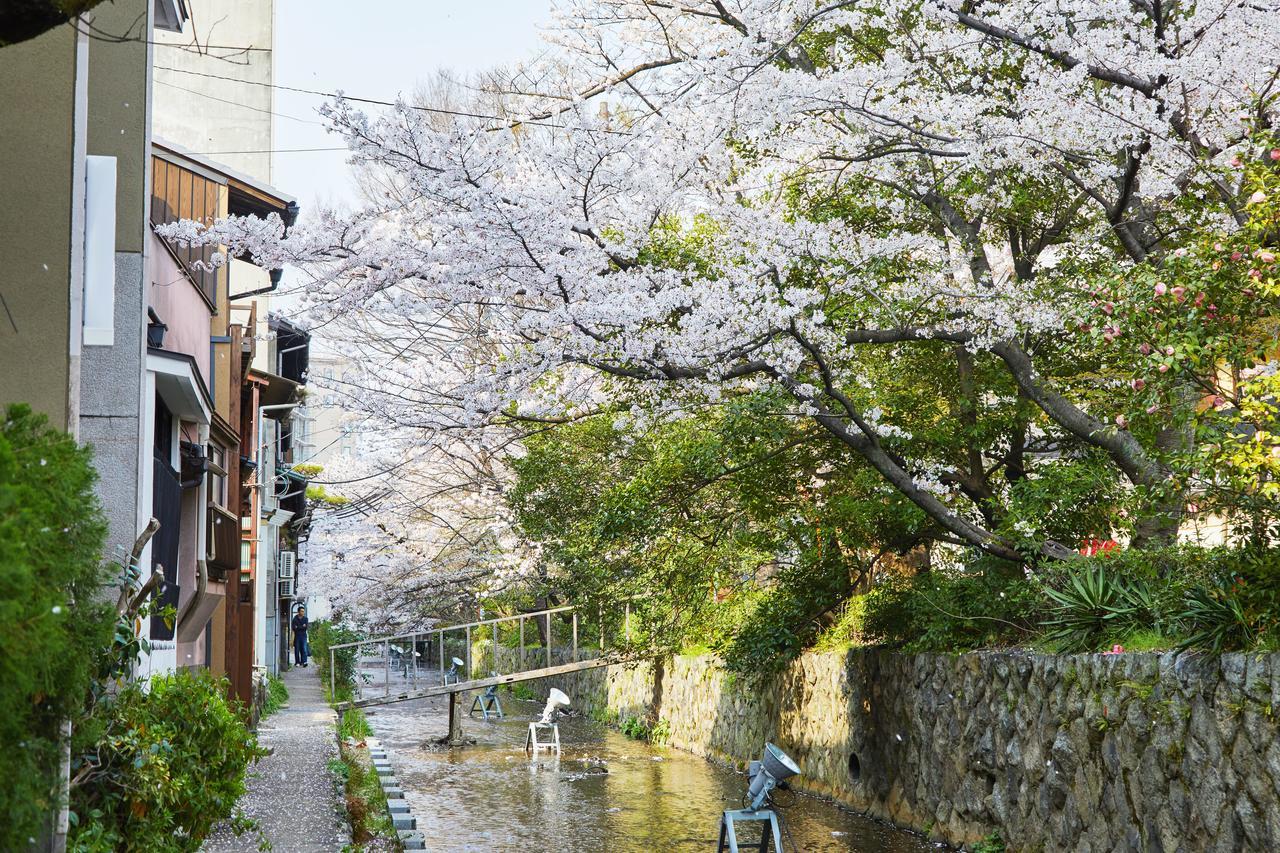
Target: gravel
{"type": "Point", "coordinates": [292, 793]}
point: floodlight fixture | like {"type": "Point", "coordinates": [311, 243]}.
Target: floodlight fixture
{"type": "Point", "coordinates": [556, 700]}
{"type": "Point", "coordinates": [773, 767]}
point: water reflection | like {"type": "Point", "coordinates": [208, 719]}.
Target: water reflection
{"type": "Point", "coordinates": [603, 793]}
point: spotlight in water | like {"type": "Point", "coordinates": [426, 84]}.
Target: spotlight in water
{"type": "Point", "coordinates": [773, 767]}
{"type": "Point", "coordinates": [556, 700]}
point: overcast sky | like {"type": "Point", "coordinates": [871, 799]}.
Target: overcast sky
{"type": "Point", "coordinates": [378, 50]}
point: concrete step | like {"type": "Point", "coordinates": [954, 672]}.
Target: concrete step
{"type": "Point", "coordinates": [413, 840]}
{"type": "Point", "coordinates": [397, 807]}
{"type": "Point", "coordinates": [404, 821]}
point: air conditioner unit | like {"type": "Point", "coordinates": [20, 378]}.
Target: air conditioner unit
{"type": "Point", "coordinates": [288, 565]}
{"type": "Point", "coordinates": [285, 589]}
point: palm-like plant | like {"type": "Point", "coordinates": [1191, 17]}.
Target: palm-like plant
{"type": "Point", "coordinates": [1094, 605]}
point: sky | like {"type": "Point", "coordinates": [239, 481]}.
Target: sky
{"type": "Point", "coordinates": [377, 50]}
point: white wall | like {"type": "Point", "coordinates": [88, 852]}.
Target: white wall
{"type": "Point", "coordinates": [230, 109]}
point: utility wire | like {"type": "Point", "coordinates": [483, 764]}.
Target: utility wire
{"type": "Point", "coordinates": [511, 122]}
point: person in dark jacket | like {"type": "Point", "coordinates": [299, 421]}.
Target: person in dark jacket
{"type": "Point", "coordinates": [300, 648]}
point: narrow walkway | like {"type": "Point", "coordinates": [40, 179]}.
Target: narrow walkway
{"type": "Point", "coordinates": [291, 792]}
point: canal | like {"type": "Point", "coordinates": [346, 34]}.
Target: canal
{"type": "Point", "coordinates": [604, 793]}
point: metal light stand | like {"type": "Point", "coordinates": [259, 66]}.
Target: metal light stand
{"type": "Point", "coordinates": [487, 703]}
{"type": "Point", "coordinates": [729, 834]}
{"type": "Point", "coordinates": [534, 745]}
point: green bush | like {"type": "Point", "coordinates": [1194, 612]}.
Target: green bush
{"type": "Point", "coordinates": [324, 634]}
{"type": "Point", "coordinates": [277, 695]}
{"type": "Point", "coordinates": [1096, 605]}
{"type": "Point", "coordinates": [786, 619]}
{"type": "Point", "coordinates": [354, 724]}
{"type": "Point", "coordinates": [160, 766]}
{"type": "Point", "coordinates": [53, 625]}
{"type": "Point", "coordinates": [952, 610]}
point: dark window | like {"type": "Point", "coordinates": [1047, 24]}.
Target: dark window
{"type": "Point", "coordinates": [164, 432]}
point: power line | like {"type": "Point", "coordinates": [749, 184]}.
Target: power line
{"type": "Point", "coordinates": [237, 104]}
{"type": "Point", "coordinates": [437, 110]}
{"type": "Point", "coordinates": [271, 151]}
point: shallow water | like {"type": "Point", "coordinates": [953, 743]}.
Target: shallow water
{"type": "Point", "coordinates": [604, 793]}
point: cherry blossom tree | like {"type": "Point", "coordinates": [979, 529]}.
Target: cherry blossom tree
{"type": "Point", "coordinates": [703, 198]}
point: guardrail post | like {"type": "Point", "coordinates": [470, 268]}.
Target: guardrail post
{"type": "Point", "coordinates": [548, 638]}
{"type": "Point", "coordinates": [333, 675]}
{"type": "Point", "coordinates": [575, 635]}
{"type": "Point", "coordinates": [440, 633]}
{"type": "Point", "coordinates": [520, 663]}
{"type": "Point", "coordinates": [386, 676]}
{"type": "Point", "coordinates": [495, 647]}
{"type": "Point", "coordinates": [468, 655]}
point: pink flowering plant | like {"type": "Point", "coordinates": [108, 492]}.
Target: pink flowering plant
{"type": "Point", "coordinates": [1188, 350]}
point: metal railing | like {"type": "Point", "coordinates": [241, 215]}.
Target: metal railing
{"type": "Point", "coordinates": [438, 638]}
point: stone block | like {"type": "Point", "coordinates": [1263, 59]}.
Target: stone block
{"type": "Point", "coordinates": [411, 839]}
{"type": "Point", "coordinates": [404, 821]}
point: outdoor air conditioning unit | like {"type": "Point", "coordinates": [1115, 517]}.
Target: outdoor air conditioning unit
{"type": "Point", "coordinates": [288, 565]}
{"type": "Point", "coordinates": [285, 588]}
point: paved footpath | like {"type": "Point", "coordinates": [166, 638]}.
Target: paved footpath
{"type": "Point", "coordinates": [291, 792]}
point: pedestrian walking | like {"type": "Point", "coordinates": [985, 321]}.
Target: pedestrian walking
{"type": "Point", "coordinates": [300, 647]}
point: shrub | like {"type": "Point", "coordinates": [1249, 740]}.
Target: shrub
{"type": "Point", "coordinates": [277, 695]}
{"type": "Point", "coordinates": [1215, 619]}
{"type": "Point", "coordinates": [324, 634]}
{"type": "Point", "coordinates": [354, 724]}
{"type": "Point", "coordinates": [951, 610]}
{"type": "Point", "coordinates": [52, 625]}
{"type": "Point", "coordinates": [1095, 605]}
{"type": "Point", "coordinates": [161, 766]}
{"type": "Point", "coordinates": [786, 618]}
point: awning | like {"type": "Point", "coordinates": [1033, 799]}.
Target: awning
{"type": "Point", "coordinates": [180, 385]}
{"type": "Point", "coordinates": [275, 391]}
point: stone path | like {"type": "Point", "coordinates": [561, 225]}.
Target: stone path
{"type": "Point", "coordinates": [291, 792]}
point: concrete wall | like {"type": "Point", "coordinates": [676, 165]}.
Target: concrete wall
{"type": "Point", "coordinates": [1139, 752]}
{"type": "Point", "coordinates": [238, 91]}
{"type": "Point", "coordinates": [111, 377]}
{"type": "Point", "coordinates": [37, 168]}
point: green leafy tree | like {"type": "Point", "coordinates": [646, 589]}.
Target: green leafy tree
{"type": "Point", "coordinates": [52, 622]}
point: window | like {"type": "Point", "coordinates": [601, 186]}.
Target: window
{"type": "Point", "coordinates": [217, 475]}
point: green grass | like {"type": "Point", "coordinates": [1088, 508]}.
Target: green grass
{"type": "Point", "coordinates": [1148, 641]}
{"type": "Point", "coordinates": [277, 695]}
{"type": "Point", "coordinates": [354, 724]}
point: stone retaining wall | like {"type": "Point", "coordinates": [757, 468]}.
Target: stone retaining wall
{"type": "Point", "coordinates": [1085, 752]}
